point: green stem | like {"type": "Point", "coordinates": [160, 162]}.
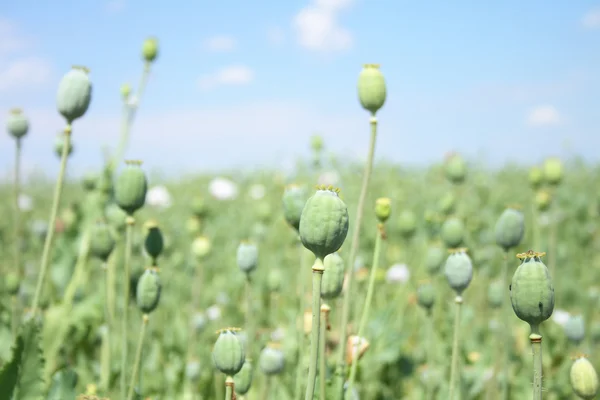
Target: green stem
{"type": "Point", "coordinates": [138, 356]}
{"type": "Point", "coordinates": [323, 344]}
{"type": "Point", "coordinates": [350, 266]}
{"type": "Point", "coordinates": [552, 239]}
{"type": "Point", "coordinates": [317, 272]}
{"type": "Point", "coordinates": [80, 266]}
{"type": "Point", "coordinates": [365, 314]}
{"type": "Point", "coordinates": [15, 317]}
{"type": "Point", "coordinates": [17, 189]}
{"type": "Point", "coordinates": [229, 388]}
{"type": "Point", "coordinates": [266, 386]}
{"type": "Point", "coordinates": [507, 335]}
{"type": "Point", "coordinates": [535, 227]}
{"type": "Point", "coordinates": [106, 344]}
{"type": "Point", "coordinates": [249, 317]}
{"type": "Point", "coordinates": [430, 352]}
{"type": "Point", "coordinates": [47, 253]}
{"type": "Point", "coordinates": [300, 322]}
{"type": "Point", "coordinates": [536, 346]}
{"type": "Point", "coordinates": [454, 373]}
{"type": "Point", "coordinates": [130, 221]}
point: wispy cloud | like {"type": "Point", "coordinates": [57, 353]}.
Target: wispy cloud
{"type": "Point", "coordinates": [591, 20]}
{"type": "Point", "coordinates": [233, 75]}
{"type": "Point", "coordinates": [544, 115]}
{"type": "Point", "coordinates": [220, 43]}
{"type": "Point", "coordinates": [317, 26]}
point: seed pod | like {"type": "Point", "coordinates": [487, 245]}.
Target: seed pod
{"type": "Point", "coordinates": [89, 181]}
{"type": "Point", "coordinates": [495, 294]}
{"type": "Point", "coordinates": [201, 248]}
{"type": "Point", "coordinates": [131, 188]}
{"type": "Point", "coordinates": [455, 169]}
{"type": "Point", "coordinates": [371, 88]}
{"type": "Point", "coordinates": [542, 200]}
{"type": "Point", "coordinates": [333, 276]}
{"type": "Point", "coordinates": [59, 144]}
{"type": "Point", "coordinates": [17, 124]}
{"type": "Point", "coordinates": [228, 353]}
{"type": "Point", "coordinates": [271, 360]}
{"type": "Point", "coordinates": [12, 283]}
{"type": "Point", "coordinates": [453, 232]}
{"type": "Point", "coordinates": [575, 329]}
{"type": "Point", "coordinates": [102, 241]}
{"type": "Point", "coordinates": [536, 177]}
{"type": "Point", "coordinates": [247, 257]}
{"type": "Point", "coordinates": [584, 379]}
{"type": "Point", "coordinates": [243, 379]}
{"type": "Point", "coordinates": [316, 143]}
{"type": "Point", "coordinates": [192, 370]}
{"type": "Point", "coordinates": [434, 259]}
{"type": "Point", "coordinates": [383, 209]}
{"type": "Point", "coordinates": [148, 291]}
{"type": "Point", "coordinates": [294, 199]}
{"type": "Point", "coordinates": [153, 242]}
{"type": "Point", "coordinates": [115, 216]}
{"type": "Point", "coordinates": [407, 224]}
{"type": "Point", "coordinates": [74, 94]}
{"type": "Point", "coordinates": [553, 171]}
{"type": "Point", "coordinates": [125, 91]}
{"type": "Point", "coordinates": [510, 229]}
{"type": "Point", "coordinates": [447, 203]}
{"type": "Point", "coordinates": [199, 207]}
{"type": "Point", "coordinates": [426, 295]}
{"type": "Point", "coordinates": [324, 223]}
{"type": "Point", "coordinates": [458, 270]}
{"type": "Point", "coordinates": [150, 49]}
{"type": "Point", "coordinates": [531, 290]}
{"type": "Point", "coordinates": [274, 280]}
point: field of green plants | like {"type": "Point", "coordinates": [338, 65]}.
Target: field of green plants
{"type": "Point", "coordinates": [339, 281]}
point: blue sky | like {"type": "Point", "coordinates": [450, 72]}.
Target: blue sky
{"type": "Point", "coordinates": [241, 83]}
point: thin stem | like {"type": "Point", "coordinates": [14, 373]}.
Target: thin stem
{"type": "Point", "coordinates": [507, 335]}
{"type": "Point", "coordinates": [323, 344]}
{"type": "Point", "coordinates": [196, 289]}
{"type": "Point", "coordinates": [365, 314]}
{"type": "Point", "coordinates": [130, 221]}
{"type": "Point", "coordinates": [47, 253]}
{"type": "Point", "coordinates": [552, 239]}
{"type": "Point", "coordinates": [350, 266]}
{"type": "Point", "coordinates": [429, 390]}
{"type": "Point", "coordinates": [15, 316]}
{"type": "Point", "coordinates": [536, 347]}
{"type": "Point", "coordinates": [17, 211]}
{"type": "Point", "coordinates": [249, 328]}
{"type": "Point", "coordinates": [138, 356]}
{"type": "Point", "coordinates": [300, 321]}
{"type": "Point", "coordinates": [229, 383]}
{"type": "Point", "coordinates": [266, 386]}
{"type": "Point", "coordinates": [535, 227]}
{"type": "Point", "coordinates": [454, 373]}
{"type": "Point", "coordinates": [317, 272]}
{"type": "Point", "coordinates": [106, 343]}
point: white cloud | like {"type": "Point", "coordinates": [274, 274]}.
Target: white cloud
{"type": "Point", "coordinates": [591, 20]}
{"type": "Point", "coordinates": [233, 75]}
{"type": "Point", "coordinates": [220, 43]}
{"type": "Point", "coordinates": [276, 36]}
{"type": "Point", "coordinates": [544, 115]}
{"type": "Point", "coordinates": [317, 27]}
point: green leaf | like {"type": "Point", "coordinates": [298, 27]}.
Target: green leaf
{"type": "Point", "coordinates": [63, 385]}
{"type": "Point", "coordinates": [30, 382]}
{"type": "Point", "coordinates": [10, 372]}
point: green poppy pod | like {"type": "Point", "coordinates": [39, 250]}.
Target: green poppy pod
{"type": "Point", "coordinates": [458, 270]}
{"type": "Point", "coordinates": [294, 199]}
{"type": "Point", "coordinates": [426, 295]}
{"type": "Point", "coordinates": [89, 181]}
{"type": "Point", "coordinates": [102, 241]}
{"type": "Point", "coordinates": [148, 291]}
{"type": "Point", "coordinates": [271, 361]}
{"type": "Point", "coordinates": [383, 209]}
{"type": "Point", "coordinates": [575, 329]}
{"type": "Point", "coordinates": [116, 217]}
{"type": "Point", "coordinates": [228, 352]}
{"type": "Point", "coordinates": [553, 171]}
{"type": "Point", "coordinates": [193, 370]}
{"type": "Point", "coordinates": [199, 207]}
{"type": "Point", "coordinates": [153, 241]}
{"type": "Point", "coordinates": [274, 280]}
{"type": "Point", "coordinates": [150, 49]}
{"type": "Point", "coordinates": [542, 200]}
{"type": "Point", "coordinates": [371, 88]}
{"type": "Point", "coordinates": [495, 294]}
{"type": "Point", "coordinates": [131, 187]}
{"type": "Point", "coordinates": [407, 224]}
{"type": "Point", "coordinates": [536, 177]}
{"type": "Point", "coordinates": [434, 259]}
{"type": "Point", "coordinates": [74, 94]}
{"type": "Point", "coordinates": [59, 145]}
{"type": "Point", "coordinates": [247, 257]}
{"type": "Point", "coordinates": [17, 124]}
{"type": "Point", "coordinates": [316, 143]}
{"type": "Point", "coordinates": [453, 232]}
{"type": "Point", "coordinates": [201, 247]}
{"type": "Point", "coordinates": [12, 283]}
{"type": "Point", "coordinates": [125, 90]}
{"type": "Point", "coordinates": [447, 203]}
{"type": "Point", "coordinates": [455, 169]}
{"type": "Point", "coordinates": [510, 229]}
{"type": "Point", "coordinates": [531, 289]}
{"type": "Point", "coordinates": [243, 379]}
{"type": "Point", "coordinates": [324, 223]}
{"type": "Point", "coordinates": [333, 276]}
{"type": "Point", "coordinates": [584, 379]}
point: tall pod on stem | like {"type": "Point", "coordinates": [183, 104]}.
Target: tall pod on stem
{"type": "Point", "coordinates": [229, 356]}
{"type": "Point", "coordinates": [72, 101]}
{"type": "Point", "coordinates": [532, 298]}
{"type": "Point", "coordinates": [323, 229]}
{"type": "Point", "coordinates": [372, 94]}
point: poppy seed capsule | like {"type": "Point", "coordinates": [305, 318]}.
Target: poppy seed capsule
{"type": "Point", "coordinates": [333, 276]}
{"type": "Point", "coordinates": [531, 290]}
{"type": "Point", "coordinates": [274, 280]}
{"type": "Point", "coordinates": [228, 353]}
{"type": "Point", "coordinates": [150, 49]}
{"type": "Point", "coordinates": [294, 199]}
{"type": "Point", "coordinates": [371, 88]}
{"type": "Point", "coordinates": [495, 294]}
{"type": "Point", "coordinates": [324, 223]}
{"type": "Point", "coordinates": [59, 144]}
{"type": "Point", "coordinates": [553, 171]}
{"type": "Point", "coordinates": [247, 257]}
{"type": "Point", "coordinates": [74, 94]}
{"type": "Point", "coordinates": [201, 247]}
{"type": "Point", "coordinates": [458, 270]}
{"type": "Point", "coordinates": [383, 209]}
{"type": "Point", "coordinates": [455, 169]}
{"type": "Point", "coordinates": [510, 229]}
{"type": "Point", "coordinates": [434, 259]}
{"type": "Point", "coordinates": [271, 361]}
{"type": "Point", "coordinates": [542, 200]}
{"type": "Point", "coordinates": [536, 177]}
{"type": "Point", "coordinates": [17, 124]}
{"type": "Point", "coordinates": [575, 329]}
{"type": "Point", "coordinates": [199, 207]}
{"type": "Point", "coordinates": [407, 224]}
{"type": "Point", "coordinates": [316, 143]}
{"type": "Point", "coordinates": [584, 379]}
{"type": "Point", "coordinates": [12, 283]}
{"type": "Point", "coordinates": [115, 216]}
{"type": "Point", "coordinates": [131, 187]}
{"type": "Point", "coordinates": [426, 295]}
{"type": "Point", "coordinates": [453, 232]}
{"type": "Point", "coordinates": [243, 379]}
{"type": "Point", "coordinates": [148, 291]}
{"type": "Point", "coordinates": [153, 242]}
{"type": "Point", "coordinates": [102, 241]}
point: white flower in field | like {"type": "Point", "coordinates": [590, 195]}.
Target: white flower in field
{"type": "Point", "coordinates": [158, 197]}
{"type": "Point", "coordinates": [329, 178]}
{"type": "Point", "coordinates": [222, 189]}
{"type": "Point", "coordinates": [25, 202]}
{"type": "Point", "coordinates": [257, 191]}
{"type": "Point", "coordinates": [278, 335]}
{"type": "Point", "coordinates": [397, 273]}
{"type": "Point", "coordinates": [561, 317]}
{"type": "Point", "coordinates": [213, 312]}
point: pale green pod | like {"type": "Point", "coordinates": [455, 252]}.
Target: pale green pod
{"type": "Point", "coordinates": [228, 353]}
{"type": "Point", "coordinates": [153, 241]}
{"type": "Point", "coordinates": [553, 171]}
{"type": "Point", "coordinates": [199, 207]}
{"type": "Point", "coordinates": [89, 181]}
{"type": "Point", "coordinates": [543, 200]}
{"type": "Point", "coordinates": [316, 143]}
{"type": "Point", "coordinates": [383, 209]}
{"type": "Point", "coordinates": [74, 94]}
{"type": "Point", "coordinates": [459, 270]}
{"type": "Point", "coordinates": [496, 294]}
{"type": "Point", "coordinates": [531, 290]}
{"type": "Point", "coordinates": [455, 169]}
{"type": "Point", "coordinates": [575, 329]}
{"type": "Point", "coordinates": [536, 177]}
{"type": "Point", "coordinates": [148, 291]}
{"type": "Point", "coordinates": [59, 144]}
{"type": "Point", "coordinates": [271, 361]}
{"type": "Point", "coordinates": [407, 224]}
{"type": "Point", "coordinates": [584, 379]}
{"type": "Point", "coordinates": [426, 295]}
{"type": "Point", "coordinates": [453, 232]}
{"type": "Point", "coordinates": [150, 49]}
{"type": "Point", "coordinates": [131, 187]}
{"type": "Point", "coordinates": [434, 259]}
{"type": "Point", "coordinates": [447, 203]}
{"type": "Point", "coordinates": [243, 379]}
{"type": "Point", "coordinates": [201, 247]}
{"type": "Point", "coordinates": [333, 276]}
{"type": "Point", "coordinates": [294, 199]}
{"type": "Point", "coordinates": [192, 370]}
{"type": "Point", "coordinates": [17, 123]}
{"type": "Point", "coordinates": [102, 241]}
{"type": "Point", "coordinates": [12, 283]}
{"type": "Point", "coordinates": [274, 280]}
{"type": "Point", "coordinates": [247, 256]}
{"type": "Point", "coordinates": [510, 229]}
{"type": "Point", "coordinates": [116, 216]}
{"type": "Point", "coordinates": [324, 223]}
{"type": "Point", "coordinates": [371, 88]}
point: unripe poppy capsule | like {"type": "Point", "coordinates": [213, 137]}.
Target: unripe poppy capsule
{"type": "Point", "coordinates": [510, 228]}
{"type": "Point", "coordinates": [148, 291]}
{"type": "Point", "coordinates": [371, 88]}
{"type": "Point", "coordinates": [453, 232]}
{"type": "Point", "coordinates": [74, 94]}
{"type": "Point", "coordinates": [458, 270]}
{"type": "Point", "coordinates": [102, 241]}
{"type": "Point", "coordinates": [271, 360]}
{"type": "Point", "coordinates": [333, 276]}
{"type": "Point", "coordinates": [584, 379]}
{"type": "Point", "coordinates": [294, 199]}
{"type": "Point", "coordinates": [383, 209]}
{"type": "Point", "coordinates": [228, 352]}
{"type": "Point", "coordinates": [243, 379]}
{"type": "Point", "coordinates": [17, 124]}
{"type": "Point", "coordinates": [247, 257]}
{"type": "Point", "coordinates": [150, 49]}
{"type": "Point", "coordinates": [553, 171]}
{"type": "Point", "coordinates": [456, 169]}
{"type": "Point", "coordinates": [131, 187]}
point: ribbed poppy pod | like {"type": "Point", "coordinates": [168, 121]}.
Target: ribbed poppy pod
{"type": "Point", "coordinates": [131, 187]}
{"type": "Point", "coordinates": [324, 223]}
{"type": "Point", "coordinates": [407, 224]}
{"type": "Point", "coordinates": [17, 123]}
{"type": "Point", "coordinates": [59, 145]}
{"type": "Point", "coordinates": [458, 270]}
{"type": "Point", "coordinates": [228, 352]}
{"type": "Point", "coordinates": [426, 295]}
{"type": "Point", "coordinates": [294, 199]}
{"type": "Point", "coordinates": [553, 171]}
{"type": "Point", "coordinates": [383, 209]}
{"type": "Point", "coordinates": [575, 329]}
{"type": "Point", "coordinates": [102, 241]}
{"type": "Point", "coordinates": [371, 88]}
{"type": "Point", "coordinates": [74, 94]}
{"type": "Point", "coordinates": [150, 49]}
{"type": "Point", "coordinates": [271, 360]}
{"type": "Point", "coordinates": [434, 259]}
{"type": "Point", "coordinates": [510, 229]}
{"type": "Point", "coordinates": [243, 379]}
{"type": "Point", "coordinates": [333, 276]}
{"type": "Point", "coordinates": [148, 291]}
{"type": "Point", "coordinates": [247, 256]}
{"type": "Point", "coordinates": [153, 240]}
{"type": "Point", "coordinates": [531, 289]}
{"type": "Point", "coordinates": [584, 379]}
{"type": "Point", "coordinates": [453, 232]}
{"type": "Point", "coordinates": [455, 169]}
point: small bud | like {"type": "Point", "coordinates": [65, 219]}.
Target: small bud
{"type": "Point", "coordinates": [407, 224]}
{"type": "Point", "coordinates": [316, 143]}
{"type": "Point", "coordinates": [153, 242]}
{"type": "Point", "coordinates": [426, 295]}
{"type": "Point", "coordinates": [536, 177]}
{"type": "Point", "coordinates": [201, 247]}
{"type": "Point", "coordinates": [59, 144]}
{"type": "Point", "coordinates": [333, 276]}
{"type": "Point", "coordinates": [294, 199]}
{"type": "Point", "coordinates": [553, 171]}
{"type": "Point", "coordinates": [17, 124]}
{"type": "Point", "coordinates": [510, 229]}
{"type": "Point", "coordinates": [458, 270]}
{"type": "Point", "coordinates": [102, 241]}
{"type": "Point", "coordinates": [271, 360]}
{"type": "Point", "coordinates": [434, 259]}
{"type": "Point", "coordinates": [542, 200]}
{"type": "Point", "coordinates": [243, 379]}
{"type": "Point", "coordinates": [575, 329]}
{"type": "Point", "coordinates": [496, 294]}
{"type": "Point", "coordinates": [150, 49]}
{"type": "Point", "coordinates": [247, 257]}
{"type": "Point", "coordinates": [372, 91]}
{"type": "Point", "coordinates": [453, 232]}
{"type": "Point", "coordinates": [125, 91]}
{"type": "Point", "coordinates": [383, 209]}
{"type": "Point", "coordinates": [584, 379]}
{"type": "Point", "coordinates": [455, 169]}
